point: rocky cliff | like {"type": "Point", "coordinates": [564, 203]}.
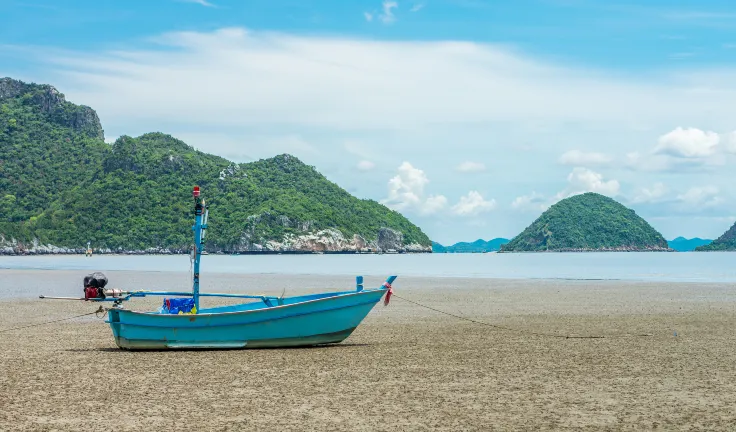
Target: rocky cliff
{"type": "Point", "coordinates": [323, 241]}
{"type": "Point", "coordinates": [53, 104]}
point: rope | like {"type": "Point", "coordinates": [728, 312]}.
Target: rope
{"type": "Point", "coordinates": [500, 327]}
{"type": "Point", "coordinates": [101, 309]}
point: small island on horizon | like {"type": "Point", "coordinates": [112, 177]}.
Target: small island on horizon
{"type": "Point", "coordinates": [588, 222]}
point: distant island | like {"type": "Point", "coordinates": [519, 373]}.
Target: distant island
{"type": "Point", "coordinates": [478, 246]}
{"type": "Point", "coordinates": [726, 242]}
{"type": "Point", "coordinates": [61, 186]}
{"type": "Point", "coordinates": [585, 223]}
{"type": "Point", "coordinates": [681, 244]}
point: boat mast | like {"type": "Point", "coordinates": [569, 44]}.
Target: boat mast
{"type": "Point", "coordinates": [199, 229]}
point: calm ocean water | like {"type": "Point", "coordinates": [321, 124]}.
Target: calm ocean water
{"type": "Point", "coordinates": [682, 266]}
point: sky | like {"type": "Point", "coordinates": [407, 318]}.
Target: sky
{"type": "Point", "coordinates": [469, 117]}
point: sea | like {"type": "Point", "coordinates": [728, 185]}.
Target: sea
{"type": "Point", "coordinates": [633, 266]}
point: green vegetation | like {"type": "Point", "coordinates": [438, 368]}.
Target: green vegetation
{"type": "Point", "coordinates": [587, 222]}
{"type": "Point", "coordinates": [62, 184]}
{"type": "Point", "coordinates": [726, 242]}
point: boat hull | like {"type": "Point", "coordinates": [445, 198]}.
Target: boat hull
{"type": "Point", "coordinates": [301, 321]}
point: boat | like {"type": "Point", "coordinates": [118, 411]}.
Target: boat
{"type": "Point", "coordinates": [263, 321]}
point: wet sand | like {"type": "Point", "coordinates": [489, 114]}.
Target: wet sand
{"type": "Point", "coordinates": [404, 368]}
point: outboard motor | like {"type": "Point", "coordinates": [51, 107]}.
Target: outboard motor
{"type": "Point", "coordinates": [94, 285]}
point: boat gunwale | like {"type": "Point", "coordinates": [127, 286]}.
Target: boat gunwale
{"type": "Point", "coordinates": [338, 295]}
{"type": "Point", "coordinates": [236, 324]}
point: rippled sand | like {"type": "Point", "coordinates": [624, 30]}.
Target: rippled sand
{"type": "Point", "coordinates": [404, 368]}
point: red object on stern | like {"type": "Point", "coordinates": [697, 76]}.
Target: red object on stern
{"type": "Point", "coordinates": [91, 293]}
{"type": "Point", "coordinates": [388, 294]}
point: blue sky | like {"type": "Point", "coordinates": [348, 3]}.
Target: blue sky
{"type": "Point", "coordinates": [470, 117]}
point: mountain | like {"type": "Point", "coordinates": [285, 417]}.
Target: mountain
{"type": "Point", "coordinates": [681, 244]}
{"type": "Point", "coordinates": [587, 222]}
{"type": "Point", "coordinates": [61, 186]}
{"type": "Point", "coordinates": [726, 242]}
{"type": "Point", "coordinates": [479, 245]}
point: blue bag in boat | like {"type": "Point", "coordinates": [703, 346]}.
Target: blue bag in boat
{"type": "Point", "coordinates": [176, 305]}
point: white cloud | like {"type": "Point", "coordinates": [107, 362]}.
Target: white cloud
{"type": "Point", "coordinates": [473, 204]}
{"type": "Point", "coordinates": [688, 143]}
{"type": "Point", "coordinates": [660, 200]}
{"type": "Point", "coordinates": [663, 163]}
{"type": "Point", "coordinates": [684, 149]}
{"type": "Point", "coordinates": [654, 194]}
{"type": "Point", "coordinates": [533, 202]}
{"type": "Point", "coordinates": [406, 192]}
{"type": "Point", "coordinates": [469, 166]}
{"type": "Point", "coordinates": [580, 180]}
{"type": "Point", "coordinates": [387, 17]}
{"type": "Point", "coordinates": [433, 204]}
{"type": "Point", "coordinates": [645, 162]}
{"type": "Point", "coordinates": [583, 180]}
{"type": "Point", "coordinates": [368, 16]}
{"type": "Point", "coordinates": [199, 2]}
{"type": "Point", "coordinates": [365, 165]}
{"type": "Point", "coordinates": [705, 196]}
{"type": "Point", "coordinates": [110, 139]}
{"type": "Point", "coordinates": [580, 158]}
{"type": "Point", "coordinates": [242, 78]}
{"type": "Point", "coordinates": [417, 7]}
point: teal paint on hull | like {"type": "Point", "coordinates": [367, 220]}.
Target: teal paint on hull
{"type": "Point", "coordinates": [299, 321]}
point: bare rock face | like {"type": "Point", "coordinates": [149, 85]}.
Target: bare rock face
{"type": "Point", "coordinates": [328, 240]}
{"type": "Point", "coordinates": [390, 240]}
{"type": "Point", "coordinates": [14, 247]}
{"type": "Point", "coordinates": [10, 88]}
{"type": "Point", "coordinates": [360, 243]}
{"type": "Point", "coordinates": [304, 238]}
{"type": "Point", "coordinates": [50, 101]}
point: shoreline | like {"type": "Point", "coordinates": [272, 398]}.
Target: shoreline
{"type": "Point", "coordinates": [69, 282]}
{"type": "Point", "coordinates": [148, 253]}
{"type": "Point", "coordinates": [349, 252]}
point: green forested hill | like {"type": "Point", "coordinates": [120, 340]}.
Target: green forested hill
{"type": "Point", "coordinates": [46, 144]}
{"type": "Point", "coordinates": [62, 185]}
{"type": "Point", "coordinates": [587, 222]}
{"type": "Point", "coordinates": [726, 242]}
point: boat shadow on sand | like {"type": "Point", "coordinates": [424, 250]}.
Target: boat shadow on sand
{"type": "Point", "coordinates": [124, 351]}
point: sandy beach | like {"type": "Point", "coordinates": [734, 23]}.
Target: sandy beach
{"type": "Point", "coordinates": [404, 368]}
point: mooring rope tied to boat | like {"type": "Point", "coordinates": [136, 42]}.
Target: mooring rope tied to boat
{"type": "Point", "coordinates": [101, 309]}
{"type": "Point", "coordinates": [500, 327]}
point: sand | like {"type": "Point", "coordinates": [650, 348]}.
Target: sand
{"type": "Point", "coordinates": [404, 368]}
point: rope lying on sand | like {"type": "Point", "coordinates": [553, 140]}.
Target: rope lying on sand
{"type": "Point", "coordinates": [496, 326]}
{"type": "Point", "coordinates": [521, 330]}
{"type": "Point", "coordinates": [101, 309]}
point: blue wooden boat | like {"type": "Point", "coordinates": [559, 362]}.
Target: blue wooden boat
{"type": "Point", "coordinates": [265, 321]}
{"type": "Point", "coordinates": [272, 322]}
